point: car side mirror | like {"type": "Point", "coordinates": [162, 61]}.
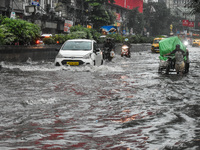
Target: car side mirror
{"type": "Point", "coordinates": [57, 49]}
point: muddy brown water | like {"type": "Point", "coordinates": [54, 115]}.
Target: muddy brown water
{"type": "Point", "coordinates": [124, 104]}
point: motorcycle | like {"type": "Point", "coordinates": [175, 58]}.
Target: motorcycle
{"type": "Point", "coordinates": [108, 54]}
{"type": "Point", "coordinates": [125, 51]}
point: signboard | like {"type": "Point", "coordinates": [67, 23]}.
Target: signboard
{"type": "Point", "coordinates": [185, 22]}
{"type": "Point", "coordinates": [67, 25]}
{"type": "Point", "coordinates": [108, 30]}
{"type": "Point", "coordinates": [35, 2]}
{"type": "Point", "coordinates": [13, 15]}
{"type": "Point", "coordinates": [51, 25]}
{"type": "Point", "coordinates": [191, 24]}
{"type": "Point", "coordinates": [198, 24]}
{"type": "Point", "coordinates": [30, 9]}
{"type": "Point", "coordinates": [117, 16]}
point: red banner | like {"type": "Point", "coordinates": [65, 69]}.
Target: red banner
{"type": "Point", "coordinates": [198, 24]}
{"type": "Point", "coordinates": [117, 16]}
{"type": "Point", "coordinates": [130, 4]}
{"type": "Point", "coordinates": [191, 24]}
{"type": "Point", "coordinates": [185, 22]}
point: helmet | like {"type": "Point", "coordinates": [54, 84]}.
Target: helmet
{"type": "Point", "coordinates": [177, 46]}
{"type": "Point", "coordinates": [126, 40]}
{"type": "Point", "coordinates": [108, 39]}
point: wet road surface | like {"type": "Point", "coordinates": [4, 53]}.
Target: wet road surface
{"type": "Point", "coordinates": [123, 105]}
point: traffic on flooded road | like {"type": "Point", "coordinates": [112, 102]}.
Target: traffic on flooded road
{"type": "Point", "coordinates": [120, 105]}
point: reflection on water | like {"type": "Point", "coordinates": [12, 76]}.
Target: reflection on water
{"type": "Point", "coordinates": [124, 104]}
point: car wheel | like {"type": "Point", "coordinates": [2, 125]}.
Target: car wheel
{"type": "Point", "coordinates": [102, 62]}
{"type": "Point", "coordinates": [57, 64]}
{"type": "Point", "coordinates": [187, 66]}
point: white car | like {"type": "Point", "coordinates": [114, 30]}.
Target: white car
{"type": "Point", "coordinates": [79, 52]}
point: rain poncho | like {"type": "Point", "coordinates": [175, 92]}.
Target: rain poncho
{"type": "Point", "coordinates": [168, 45]}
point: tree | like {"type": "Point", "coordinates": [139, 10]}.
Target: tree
{"type": "Point", "coordinates": [157, 17]}
{"type": "Point", "coordinates": [99, 15]}
{"type": "Point", "coordinates": [89, 11]}
{"type": "Point", "coordinates": [135, 21]}
{"type": "Point", "coordinates": [5, 36]}
{"type": "Point", "coordinates": [195, 5]}
{"type": "Point", "coordinates": [22, 31]}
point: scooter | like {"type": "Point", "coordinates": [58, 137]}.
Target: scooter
{"type": "Point", "coordinates": [108, 54]}
{"type": "Point", "coordinates": [125, 51]}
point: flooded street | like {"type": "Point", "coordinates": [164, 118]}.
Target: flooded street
{"type": "Point", "coordinates": [123, 105]}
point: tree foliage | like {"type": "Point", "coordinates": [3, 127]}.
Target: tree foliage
{"type": "Point", "coordinates": [135, 21]}
{"type": "Point", "coordinates": [93, 12]}
{"type": "Point", "coordinates": [99, 15]}
{"type": "Point", "coordinates": [157, 21]}
{"type": "Point", "coordinates": [195, 5]}
{"type": "Point", "coordinates": [17, 30]}
{"type": "Point", "coordinates": [85, 32]}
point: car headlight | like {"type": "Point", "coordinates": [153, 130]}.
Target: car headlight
{"type": "Point", "coordinates": [59, 56]}
{"type": "Point", "coordinates": [87, 56]}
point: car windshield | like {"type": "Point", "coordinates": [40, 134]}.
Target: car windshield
{"type": "Point", "coordinates": [156, 41]}
{"type": "Point", "coordinates": [77, 45]}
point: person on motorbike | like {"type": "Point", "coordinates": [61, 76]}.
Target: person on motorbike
{"type": "Point", "coordinates": [126, 42]}
{"type": "Point", "coordinates": [110, 47]}
{"type": "Point", "coordinates": [109, 44]}
{"type": "Point", "coordinates": [179, 59]}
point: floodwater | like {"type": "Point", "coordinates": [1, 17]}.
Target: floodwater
{"type": "Point", "coordinates": [123, 105]}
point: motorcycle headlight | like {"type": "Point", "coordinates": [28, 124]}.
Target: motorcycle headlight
{"type": "Point", "coordinates": [59, 56]}
{"type": "Point", "coordinates": [186, 43]}
{"type": "Point", "coordinates": [124, 47]}
{"type": "Point", "coordinates": [87, 56]}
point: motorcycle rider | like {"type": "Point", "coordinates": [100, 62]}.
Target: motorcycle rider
{"type": "Point", "coordinates": [179, 59]}
{"type": "Point", "coordinates": [109, 44]}
{"type": "Point", "coordinates": [126, 42]}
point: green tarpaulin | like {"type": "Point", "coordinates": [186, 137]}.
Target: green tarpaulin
{"type": "Point", "coordinates": [167, 45]}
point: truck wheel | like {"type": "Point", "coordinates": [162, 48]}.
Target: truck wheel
{"type": "Point", "coordinates": [167, 69]}
{"type": "Point", "coordinates": [159, 70]}
{"type": "Point", "coordinates": [187, 66]}
{"type": "Point", "coordinates": [109, 58]}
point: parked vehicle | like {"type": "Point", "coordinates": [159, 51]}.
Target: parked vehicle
{"type": "Point", "coordinates": [40, 40]}
{"type": "Point", "coordinates": [79, 52]}
{"type": "Point", "coordinates": [196, 43]}
{"type": "Point", "coordinates": [155, 45]}
{"type": "Point", "coordinates": [167, 63]}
